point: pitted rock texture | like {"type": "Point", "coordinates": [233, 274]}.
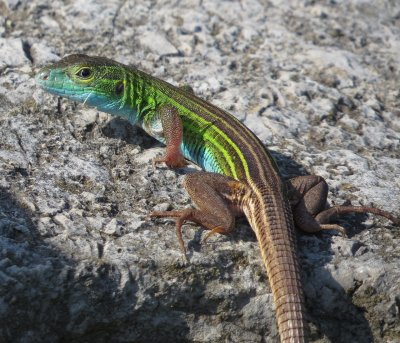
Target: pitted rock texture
{"type": "Point", "coordinates": [317, 81]}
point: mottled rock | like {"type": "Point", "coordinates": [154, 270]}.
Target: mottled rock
{"type": "Point", "coordinates": [80, 261]}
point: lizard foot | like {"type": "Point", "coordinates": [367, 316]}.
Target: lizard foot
{"type": "Point", "coordinates": [181, 217]}
{"type": "Point", "coordinates": [331, 213]}
{"type": "Point", "coordinates": [335, 227]}
{"type": "Point", "coordinates": [171, 162]}
{"type": "Point", "coordinates": [216, 230]}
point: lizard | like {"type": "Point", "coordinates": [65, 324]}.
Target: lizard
{"type": "Point", "coordinates": [240, 175]}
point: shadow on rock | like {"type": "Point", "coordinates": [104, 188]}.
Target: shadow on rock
{"type": "Point", "coordinates": [48, 297]}
{"type": "Point", "coordinates": [330, 309]}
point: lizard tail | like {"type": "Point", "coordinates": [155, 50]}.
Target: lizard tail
{"type": "Point", "coordinates": [273, 225]}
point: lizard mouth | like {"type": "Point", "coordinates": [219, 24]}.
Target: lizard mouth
{"type": "Point", "coordinates": [59, 84]}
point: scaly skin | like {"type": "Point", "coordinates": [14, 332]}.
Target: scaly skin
{"type": "Point", "coordinates": [213, 139]}
{"type": "Point", "coordinates": [241, 176]}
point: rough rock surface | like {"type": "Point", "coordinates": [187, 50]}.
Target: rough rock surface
{"type": "Point", "coordinates": [318, 81]}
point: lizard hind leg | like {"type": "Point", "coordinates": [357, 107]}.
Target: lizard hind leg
{"type": "Point", "coordinates": [309, 195]}
{"type": "Point", "coordinates": [213, 196]}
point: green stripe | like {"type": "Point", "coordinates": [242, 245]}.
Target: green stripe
{"type": "Point", "coordinates": [222, 155]}
{"type": "Point", "coordinates": [217, 143]}
{"type": "Point", "coordinates": [207, 115]}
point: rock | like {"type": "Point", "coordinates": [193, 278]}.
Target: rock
{"type": "Point", "coordinates": [80, 261]}
{"type": "Point", "coordinates": [157, 43]}
{"type": "Point", "coordinates": [13, 54]}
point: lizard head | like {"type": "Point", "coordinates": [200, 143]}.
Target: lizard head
{"type": "Point", "coordinates": [95, 81]}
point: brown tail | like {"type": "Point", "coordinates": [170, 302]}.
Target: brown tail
{"type": "Point", "coordinates": [271, 220]}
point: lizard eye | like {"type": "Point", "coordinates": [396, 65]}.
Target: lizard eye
{"type": "Point", "coordinates": [84, 73]}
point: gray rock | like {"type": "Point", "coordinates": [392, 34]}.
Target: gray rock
{"type": "Point", "coordinates": [157, 43]}
{"type": "Point", "coordinates": [79, 259]}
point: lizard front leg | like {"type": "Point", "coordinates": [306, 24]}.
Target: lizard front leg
{"type": "Point", "coordinates": [173, 131]}
{"type": "Point", "coordinates": [308, 196]}
{"type": "Point", "coordinates": [216, 198]}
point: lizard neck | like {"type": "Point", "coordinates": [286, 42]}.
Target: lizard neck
{"type": "Point", "coordinates": [137, 100]}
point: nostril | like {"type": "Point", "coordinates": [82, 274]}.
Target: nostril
{"type": "Point", "coordinates": [43, 75]}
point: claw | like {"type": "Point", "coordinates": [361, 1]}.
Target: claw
{"type": "Point", "coordinates": [218, 229]}
{"type": "Point", "coordinates": [171, 162]}
{"type": "Point", "coordinates": [336, 227]}
{"type": "Point", "coordinates": [165, 214]}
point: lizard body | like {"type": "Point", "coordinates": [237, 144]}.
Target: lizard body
{"type": "Point", "coordinates": [240, 174]}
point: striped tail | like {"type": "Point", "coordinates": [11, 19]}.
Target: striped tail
{"type": "Point", "coordinates": [270, 217]}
